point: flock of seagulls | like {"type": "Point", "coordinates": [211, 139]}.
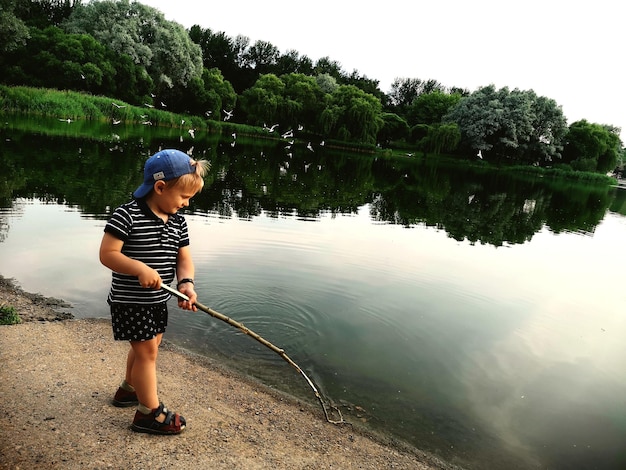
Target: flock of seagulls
{"type": "Point", "coordinates": [228, 114]}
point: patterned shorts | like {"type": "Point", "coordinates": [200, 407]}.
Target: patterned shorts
{"type": "Point", "coordinates": [133, 322]}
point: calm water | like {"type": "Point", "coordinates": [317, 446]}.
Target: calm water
{"type": "Point", "coordinates": [473, 315]}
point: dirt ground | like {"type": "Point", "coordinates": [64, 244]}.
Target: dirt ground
{"type": "Point", "coordinates": [58, 374]}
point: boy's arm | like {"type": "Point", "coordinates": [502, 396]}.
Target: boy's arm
{"type": "Point", "coordinates": [112, 257]}
{"type": "Point", "coordinates": [185, 270]}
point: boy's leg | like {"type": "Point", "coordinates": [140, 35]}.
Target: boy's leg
{"type": "Point", "coordinates": [142, 361]}
{"type": "Point", "coordinates": [130, 359]}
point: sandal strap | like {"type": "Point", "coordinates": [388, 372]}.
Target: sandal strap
{"type": "Point", "coordinates": [162, 409]}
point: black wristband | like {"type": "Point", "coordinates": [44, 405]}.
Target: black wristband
{"type": "Point", "coordinates": [184, 281]}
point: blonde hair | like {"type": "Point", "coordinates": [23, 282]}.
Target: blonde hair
{"type": "Point", "coordinates": [192, 181]}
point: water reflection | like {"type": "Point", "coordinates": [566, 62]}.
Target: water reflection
{"type": "Point", "coordinates": [261, 177]}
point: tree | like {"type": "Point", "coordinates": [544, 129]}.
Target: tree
{"type": "Point", "coordinates": [368, 85]}
{"type": "Point", "coordinates": [42, 13]}
{"type": "Point", "coordinates": [440, 138]}
{"type": "Point", "coordinates": [514, 126]}
{"type": "Point", "coordinates": [163, 47]}
{"type": "Point", "coordinates": [304, 100]}
{"type": "Point", "coordinates": [592, 147]}
{"type": "Point", "coordinates": [326, 65]}
{"type": "Point", "coordinates": [326, 82]}
{"type": "Point", "coordinates": [263, 101]}
{"type": "Point", "coordinates": [262, 56]}
{"type": "Point", "coordinates": [291, 62]}
{"type": "Point", "coordinates": [404, 91]}
{"type": "Point", "coordinates": [394, 128]}
{"type": "Point", "coordinates": [352, 115]}
{"type": "Point", "coordinates": [430, 108]}
{"type": "Point", "coordinates": [54, 59]}
{"type": "Point", "coordinates": [13, 32]}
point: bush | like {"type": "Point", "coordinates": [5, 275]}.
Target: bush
{"type": "Point", "coordinates": [8, 315]}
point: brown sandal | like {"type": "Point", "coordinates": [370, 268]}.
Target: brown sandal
{"type": "Point", "coordinates": [173, 423]}
{"type": "Point", "coordinates": [124, 398]}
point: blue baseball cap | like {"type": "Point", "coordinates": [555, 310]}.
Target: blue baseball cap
{"type": "Point", "coordinates": [164, 165]}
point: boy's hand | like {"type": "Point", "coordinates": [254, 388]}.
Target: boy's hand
{"type": "Point", "coordinates": [149, 278]}
{"type": "Point", "coordinates": [189, 291]}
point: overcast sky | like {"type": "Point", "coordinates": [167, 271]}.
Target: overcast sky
{"type": "Point", "coordinates": [570, 51]}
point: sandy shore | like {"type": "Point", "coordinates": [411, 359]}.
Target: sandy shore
{"type": "Point", "coordinates": [57, 379]}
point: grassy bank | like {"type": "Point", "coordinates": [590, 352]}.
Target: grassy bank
{"type": "Point", "coordinates": [75, 106]}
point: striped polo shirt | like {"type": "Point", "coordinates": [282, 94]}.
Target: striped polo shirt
{"type": "Point", "coordinates": [146, 238]}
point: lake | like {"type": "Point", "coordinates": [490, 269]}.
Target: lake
{"type": "Point", "coordinates": [473, 314]}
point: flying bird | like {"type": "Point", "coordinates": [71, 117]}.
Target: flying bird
{"type": "Point", "coordinates": [229, 114]}
{"type": "Point", "coordinates": [118, 105]}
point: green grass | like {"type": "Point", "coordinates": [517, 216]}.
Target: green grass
{"type": "Point", "coordinates": [8, 315]}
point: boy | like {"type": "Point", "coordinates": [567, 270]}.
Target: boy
{"type": "Point", "coordinates": [146, 244]}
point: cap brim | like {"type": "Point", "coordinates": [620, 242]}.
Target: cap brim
{"type": "Point", "coordinates": [142, 191]}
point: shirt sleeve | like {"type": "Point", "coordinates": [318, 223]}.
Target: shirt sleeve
{"type": "Point", "coordinates": [119, 224]}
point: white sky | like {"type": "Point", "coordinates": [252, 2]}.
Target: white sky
{"type": "Point", "coordinates": [570, 51]}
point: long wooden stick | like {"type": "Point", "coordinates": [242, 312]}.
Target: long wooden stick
{"type": "Point", "coordinates": [264, 342]}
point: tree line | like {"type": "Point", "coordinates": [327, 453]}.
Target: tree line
{"type": "Point", "coordinates": [130, 52]}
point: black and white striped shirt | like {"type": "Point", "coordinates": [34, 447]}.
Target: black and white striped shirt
{"type": "Point", "coordinates": [148, 239]}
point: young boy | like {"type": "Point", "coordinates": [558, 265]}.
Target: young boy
{"type": "Point", "coordinates": [146, 244]}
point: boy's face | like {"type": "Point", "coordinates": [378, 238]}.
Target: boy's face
{"type": "Point", "coordinates": [171, 199]}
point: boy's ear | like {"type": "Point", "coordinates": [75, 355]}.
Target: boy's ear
{"type": "Point", "coordinates": [159, 186]}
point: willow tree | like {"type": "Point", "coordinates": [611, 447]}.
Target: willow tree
{"type": "Point", "coordinates": [352, 115]}
{"type": "Point", "coordinates": [262, 102]}
{"type": "Point", "coordinates": [592, 147]}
